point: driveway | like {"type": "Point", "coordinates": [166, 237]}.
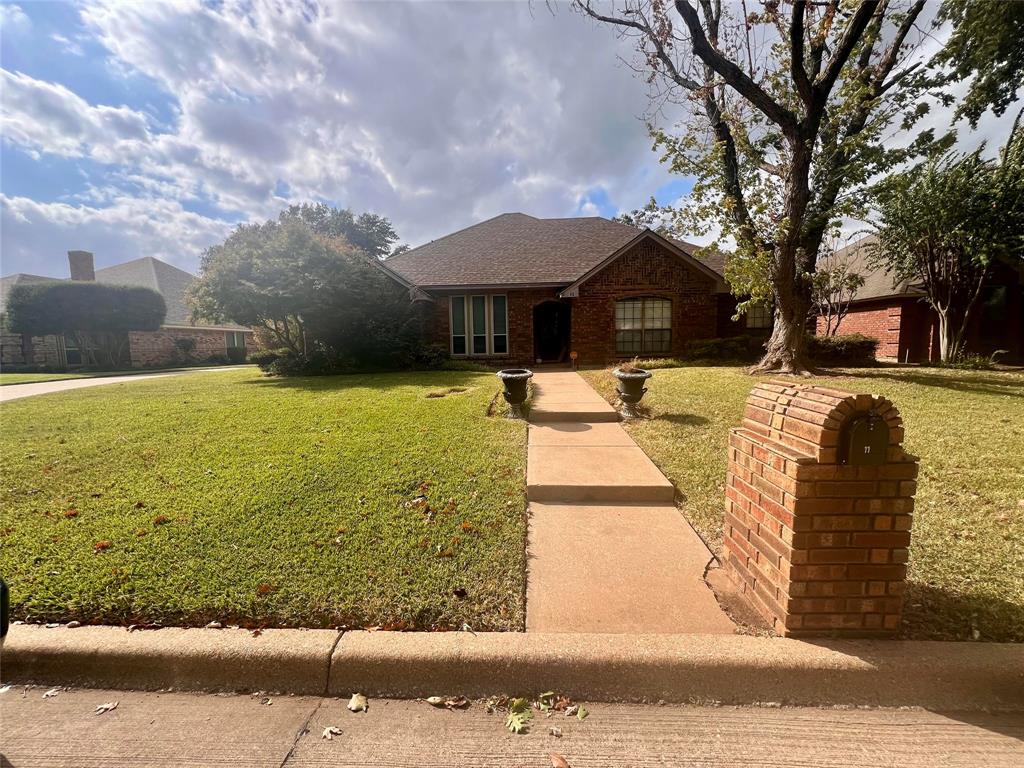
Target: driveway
{"type": "Point", "coordinates": [18, 391]}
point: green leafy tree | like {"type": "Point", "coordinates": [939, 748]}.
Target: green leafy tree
{"type": "Point", "coordinates": [97, 316]}
{"type": "Point", "coordinates": [309, 293]}
{"type": "Point", "coordinates": [946, 222]}
{"type": "Point", "coordinates": [786, 110]}
{"type": "Point", "coordinates": [368, 232]}
{"type": "Point", "coordinates": [987, 44]}
{"type": "Point", "coordinates": [834, 286]}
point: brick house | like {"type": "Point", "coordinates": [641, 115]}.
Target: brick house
{"type": "Point", "coordinates": [895, 313]}
{"type": "Point", "coordinates": [517, 290]}
{"type": "Point", "coordinates": [181, 340]}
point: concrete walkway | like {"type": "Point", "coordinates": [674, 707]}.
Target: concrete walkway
{"type": "Point", "coordinates": [19, 391]}
{"type": "Point", "coordinates": [159, 730]}
{"type": "Point", "coordinates": [608, 550]}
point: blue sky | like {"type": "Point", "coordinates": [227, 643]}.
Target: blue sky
{"type": "Point", "coordinates": [152, 129]}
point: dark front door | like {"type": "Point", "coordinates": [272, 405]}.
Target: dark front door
{"type": "Point", "coordinates": [551, 324]}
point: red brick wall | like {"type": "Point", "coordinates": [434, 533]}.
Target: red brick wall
{"type": "Point", "coordinates": [156, 348]}
{"type": "Point", "coordinates": [878, 321]}
{"type": "Point", "coordinates": [818, 546]}
{"type": "Point", "coordinates": [647, 270]}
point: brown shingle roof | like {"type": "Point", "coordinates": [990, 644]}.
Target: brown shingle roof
{"type": "Point", "coordinates": [515, 249]}
{"type": "Point", "coordinates": [879, 283]}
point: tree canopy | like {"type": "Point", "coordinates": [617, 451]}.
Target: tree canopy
{"type": "Point", "coordinates": [370, 233]}
{"type": "Point", "coordinates": [944, 223]}
{"type": "Point", "coordinates": [785, 116]}
{"type": "Point", "coordinates": [65, 307]}
{"type": "Point", "coordinates": [986, 44]}
{"type": "Point", "coordinates": [311, 292]}
{"type": "Point", "coordinates": [97, 315]}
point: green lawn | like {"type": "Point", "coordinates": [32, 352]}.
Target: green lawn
{"type": "Point", "coordinates": [30, 378]}
{"type": "Point", "coordinates": [234, 497]}
{"type": "Point", "coordinates": [967, 552]}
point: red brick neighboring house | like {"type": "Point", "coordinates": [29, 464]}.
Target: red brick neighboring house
{"type": "Point", "coordinates": [895, 313]}
{"type": "Point", "coordinates": [147, 349]}
{"type": "Point", "coordinates": [515, 290]}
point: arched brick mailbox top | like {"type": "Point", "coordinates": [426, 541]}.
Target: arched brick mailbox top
{"type": "Point", "coordinates": [811, 420]}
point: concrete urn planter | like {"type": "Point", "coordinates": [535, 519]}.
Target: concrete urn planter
{"type": "Point", "coordinates": [516, 381]}
{"type": "Point", "coordinates": [631, 388]}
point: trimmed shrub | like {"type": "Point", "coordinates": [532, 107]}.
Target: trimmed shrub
{"type": "Point", "coordinates": [854, 349]}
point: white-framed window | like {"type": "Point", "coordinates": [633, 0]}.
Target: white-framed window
{"type": "Point", "coordinates": [760, 316]}
{"type": "Point", "coordinates": [643, 326]}
{"type": "Point", "coordinates": [235, 339]}
{"type": "Point", "coordinates": [479, 324]}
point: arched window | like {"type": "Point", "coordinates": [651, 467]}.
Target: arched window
{"type": "Point", "coordinates": [643, 326]}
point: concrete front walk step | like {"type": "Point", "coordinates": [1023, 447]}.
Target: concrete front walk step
{"type": "Point", "coordinates": [618, 569]}
{"type": "Point", "coordinates": [598, 473]}
{"type": "Point", "coordinates": [565, 396]}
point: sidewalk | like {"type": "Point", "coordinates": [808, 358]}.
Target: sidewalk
{"type": "Point", "coordinates": [19, 391]}
{"type": "Point", "coordinates": [184, 730]}
{"type": "Point", "coordinates": [608, 550]}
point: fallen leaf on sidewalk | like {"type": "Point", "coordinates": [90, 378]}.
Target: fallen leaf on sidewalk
{"type": "Point", "coordinates": [557, 761]}
{"type": "Point", "coordinates": [5, 689]}
{"type": "Point", "coordinates": [358, 703]}
{"type": "Point", "coordinates": [555, 731]}
{"type": "Point", "coordinates": [331, 731]}
{"type": "Point", "coordinates": [101, 708]}
{"type": "Point", "coordinates": [582, 713]}
{"type": "Point", "coordinates": [519, 714]}
{"type": "Point", "coordinates": [51, 693]}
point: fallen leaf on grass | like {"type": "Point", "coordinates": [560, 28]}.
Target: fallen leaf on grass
{"type": "Point", "coordinates": [99, 546]}
{"type": "Point", "coordinates": [557, 761]}
{"type": "Point", "coordinates": [71, 513]}
{"type": "Point", "coordinates": [358, 703]}
{"type": "Point", "coordinates": [51, 693]}
{"type": "Point", "coordinates": [330, 732]}
{"type": "Point", "coordinates": [161, 520]}
{"type": "Point", "coordinates": [265, 589]}
{"type": "Point", "coordinates": [101, 708]}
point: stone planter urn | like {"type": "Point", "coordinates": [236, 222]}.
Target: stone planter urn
{"type": "Point", "coordinates": [516, 381]}
{"type": "Point", "coordinates": [631, 388]}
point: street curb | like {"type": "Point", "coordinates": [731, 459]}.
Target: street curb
{"type": "Point", "coordinates": [728, 669]}
{"type": "Point", "coordinates": [291, 660]}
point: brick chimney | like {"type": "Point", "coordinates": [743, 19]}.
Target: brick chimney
{"type": "Point", "coordinates": [81, 265]}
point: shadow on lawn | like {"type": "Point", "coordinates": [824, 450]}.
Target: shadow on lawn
{"type": "Point", "coordinates": [377, 380]}
{"type": "Point", "coordinates": [682, 419]}
{"type": "Point", "coordinates": [981, 384]}
{"type": "Point", "coordinates": [938, 613]}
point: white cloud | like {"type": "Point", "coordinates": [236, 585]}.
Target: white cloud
{"type": "Point", "coordinates": [14, 19]}
{"type": "Point", "coordinates": [47, 117]}
{"type": "Point", "coordinates": [34, 236]}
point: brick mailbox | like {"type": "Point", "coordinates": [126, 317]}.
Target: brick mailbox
{"type": "Point", "coordinates": [818, 509]}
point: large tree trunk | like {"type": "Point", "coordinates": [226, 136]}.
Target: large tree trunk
{"type": "Point", "coordinates": [786, 348]}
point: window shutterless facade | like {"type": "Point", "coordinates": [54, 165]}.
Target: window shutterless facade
{"type": "Point", "coordinates": [235, 339]}
{"type": "Point", "coordinates": [643, 326]}
{"type": "Point", "coordinates": [479, 324]}
{"type": "Point", "coordinates": [760, 316]}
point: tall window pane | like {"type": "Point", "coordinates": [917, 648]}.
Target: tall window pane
{"type": "Point", "coordinates": [479, 325]}
{"type": "Point", "coordinates": [499, 325]}
{"type": "Point", "coordinates": [458, 304]}
{"type": "Point", "coordinates": [643, 326]}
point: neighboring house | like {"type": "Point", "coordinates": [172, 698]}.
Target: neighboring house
{"type": "Point", "coordinates": [182, 339]}
{"type": "Point", "coordinates": [895, 312]}
{"type": "Point", "coordinates": [516, 290]}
